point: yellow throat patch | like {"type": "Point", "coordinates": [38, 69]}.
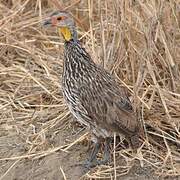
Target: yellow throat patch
{"type": "Point", "coordinates": [65, 31]}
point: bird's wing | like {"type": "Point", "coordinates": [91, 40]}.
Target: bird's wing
{"type": "Point", "coordinates": [108, 105]}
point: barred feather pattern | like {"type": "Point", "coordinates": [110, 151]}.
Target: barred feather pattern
{"type": "Point", "coordinates": [94, 97]}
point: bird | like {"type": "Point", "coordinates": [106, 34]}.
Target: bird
{"type": "Point", "coordinates": [93, 95]}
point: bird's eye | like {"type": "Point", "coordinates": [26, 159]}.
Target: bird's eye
{"type": "Point", "coordinates": [59, 18]}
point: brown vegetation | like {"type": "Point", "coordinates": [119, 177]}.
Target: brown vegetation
{"type": "Point", "coordinates": [138, 41]}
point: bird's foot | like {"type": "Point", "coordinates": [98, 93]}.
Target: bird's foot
{"type": "Point", "coordinates": [90, 164]}
{"type": "Point", "coordinates": [93, 161]}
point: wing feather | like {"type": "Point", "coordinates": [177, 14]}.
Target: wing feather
{"type": "Point", "coordinates": [108, 105]}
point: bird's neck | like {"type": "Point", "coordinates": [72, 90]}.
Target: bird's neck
{"type": "Point", "coordinates": [74, 34]}
{"type": "Point", "coordinates": [74, 52]}
{"type": "Point", "coordinates": [72, 43]}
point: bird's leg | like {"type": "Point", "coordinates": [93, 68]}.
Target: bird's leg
{"type": "Point", "coordinates": [107, 155]}
{"type": "Point", "coordinates": [95, 151]}
{"type": "Point", "coordinates": [92, 161]}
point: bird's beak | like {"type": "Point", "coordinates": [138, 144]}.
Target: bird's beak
{"type": "Point", "coordinates": [49, 22]}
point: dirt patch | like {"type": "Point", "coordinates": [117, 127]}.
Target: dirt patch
{"type": "Point", "coordinates": [52, 167]}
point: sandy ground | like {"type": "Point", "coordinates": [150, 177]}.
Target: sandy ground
{"type": "Point", "coordinates": [52, 166]}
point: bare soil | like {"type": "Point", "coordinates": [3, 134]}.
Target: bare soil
{"type": "Point", "coordinates": [52, 166]}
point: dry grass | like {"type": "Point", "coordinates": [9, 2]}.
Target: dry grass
{"type": "Point", "coordinates": [138, 41]}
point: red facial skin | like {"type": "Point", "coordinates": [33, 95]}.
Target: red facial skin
{"type": "Point", "coordinates": [54, 21]}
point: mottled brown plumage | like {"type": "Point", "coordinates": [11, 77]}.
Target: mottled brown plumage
{"type": "Point", "coordinates": [94, 97]}
{"type": "Point", "coordinates": [92, 94]}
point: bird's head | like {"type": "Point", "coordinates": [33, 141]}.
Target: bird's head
{"type": "Point", "coordinates": [64, 22]}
